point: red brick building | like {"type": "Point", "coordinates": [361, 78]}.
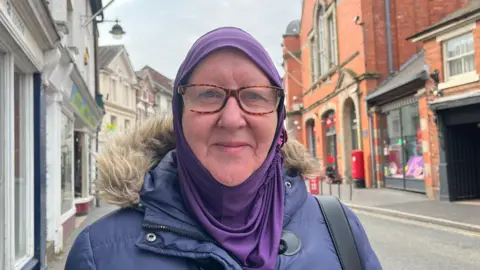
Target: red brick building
{"type": "Point", "coordinates": [342, 62]}
{"type": "Point", "coordinates": [450, 104]}
{"type": "Point", "coordinates": [154, 93]}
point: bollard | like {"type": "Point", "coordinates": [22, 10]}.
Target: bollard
{"type": "Point", "coordinates": [321, 186]}
{"type": "Point", "coordinates": [351, 190]}
{"type": "Point", "coordinates": [339, 194]}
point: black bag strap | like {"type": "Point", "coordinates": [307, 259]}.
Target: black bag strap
{"type": "Point", "coordinates": [340, 232]}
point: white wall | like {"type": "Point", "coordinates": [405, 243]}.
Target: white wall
{"type": "Point", "coordinates": [80, 37]}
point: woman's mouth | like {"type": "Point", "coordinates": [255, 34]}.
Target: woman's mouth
{"type": "Point", "coordinates": [231, 147]}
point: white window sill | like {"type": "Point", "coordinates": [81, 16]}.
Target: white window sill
{"type": "Point", "coordinates": [84, 200]}
{"type": "Point", "coordinates": [459, 80]}
{"type": "Point", "coordinates": [67, 215]}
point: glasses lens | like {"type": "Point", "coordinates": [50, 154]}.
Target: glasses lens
{"type": "Point", "coordinates": [262, 99]}
{"type": "Point", "coordinates": [203, 98]}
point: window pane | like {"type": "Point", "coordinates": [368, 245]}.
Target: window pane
{"type": "Point", "coordinates": [393, 146]}
{"type": "Point", "coordinates": [455, 67]}
{"type": "Point", "coordinates": [67, 158]}
{"type": "Point", "coordinates": [469, 63]}
{"type": "Point", "coordinates": [321, 41]}
{"type": "Point", "coordinates": [460, 45]}
{"type": "Point", "coordinates": [331, 32]}
{"type": "Point", "coordinates": [412, 142]}
{"type": "Point", "coordinates": [20, 180]}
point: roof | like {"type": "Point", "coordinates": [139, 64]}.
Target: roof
{"type": "Point", "coordinates": [470, 9]}
{"type": "Point", "coordinates": [412, 70]}
{"type": "Point", "coordinates": [106, 54]}
{"type": "Point", "coordinates": [293, 28]}
{"type": "Point", "coordinates": [457, 100]}
{"type": "Point", "coordinates": [158, 77]}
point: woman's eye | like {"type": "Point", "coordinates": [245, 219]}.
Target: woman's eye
{"type": "Point", "coordinates": [209, 94]}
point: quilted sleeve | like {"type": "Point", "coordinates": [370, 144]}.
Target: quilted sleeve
{"type": "Point", "coordinates": [81, 253]}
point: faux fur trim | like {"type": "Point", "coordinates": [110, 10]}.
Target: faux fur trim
{"type": "Point", "coordinates": [126, 157]}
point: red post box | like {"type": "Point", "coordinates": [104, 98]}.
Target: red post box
{"type": "Point", "coordinates": [358, 169]}
{"type": "Point", "coordinates": [313, 182]}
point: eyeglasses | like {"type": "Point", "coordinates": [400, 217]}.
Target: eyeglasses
{"type": "Point", "coordinates": [207, 98]}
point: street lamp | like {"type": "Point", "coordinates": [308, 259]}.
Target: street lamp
{"type": "Point", "coordinates": [117, 31]}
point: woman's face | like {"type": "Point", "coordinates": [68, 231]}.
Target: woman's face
{"type": "Point", "coordinates": [231, 143]}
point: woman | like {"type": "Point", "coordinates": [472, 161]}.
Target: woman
{"type": "Point", "coordinates": [219, 187]}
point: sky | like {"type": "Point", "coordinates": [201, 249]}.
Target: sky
{"type": "Point", "coordinates": [159, 33]}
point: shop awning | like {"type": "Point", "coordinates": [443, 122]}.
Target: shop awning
{"type": "Point", "coordinates": [406, 81]}
{"type": "Point", "coordinates": [454, 101]}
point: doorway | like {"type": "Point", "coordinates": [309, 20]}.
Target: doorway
{"type": "Point", "coordinates": [78, 154]}
{"type": "Point", "coordinates": [463, 159]}
{"type": "Point", "coordinates": [311, 134]}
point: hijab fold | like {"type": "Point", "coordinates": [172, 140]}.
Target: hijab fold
{"type": "Point", "coordinates": [246, 220]}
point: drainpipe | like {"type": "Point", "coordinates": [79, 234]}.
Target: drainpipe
{"type": "Point", "coordinates": [372, 147]}
{"type": "Point", "coordinates": [389, 37]}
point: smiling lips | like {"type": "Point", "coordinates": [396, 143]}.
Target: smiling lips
{"type": "Point", "coordinates": [231, 147]}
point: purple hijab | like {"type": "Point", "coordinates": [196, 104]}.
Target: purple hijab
{"type": "Point", "coordinates": [254, 209]}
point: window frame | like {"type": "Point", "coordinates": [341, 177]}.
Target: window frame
{"type": "Point", "coordinates": [331, 13]}
{"type": "Point", "coordinates": [7, 163]}
{"type": "Point", "coordinates": [446, 60]}
{"type": "Point", "coordinates": [326, 45]}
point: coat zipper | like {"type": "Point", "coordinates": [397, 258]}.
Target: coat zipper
{"type": "Point", "coordinates": [186, 234]}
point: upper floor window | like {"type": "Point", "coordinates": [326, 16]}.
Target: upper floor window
{"type": "Point", "coordinates": [459, 55]}
{"type": "Point", "coordinates": [332, 41]}
{"type": "Point", "coordinates": [127, 124]}
{"type": "Point", "coordinates": [113, 90]}
{"type": "Point", "coordinates": [322, 64]}
{"type": "Point", "coordinates": [127, 95]}
{"type": "Point", "coordinates": [324, 41]}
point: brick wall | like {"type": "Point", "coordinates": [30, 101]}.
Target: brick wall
{"type": "Point", "coordinates": [369, 39]}
{"type": "Point", "coordinates": [434, 58]}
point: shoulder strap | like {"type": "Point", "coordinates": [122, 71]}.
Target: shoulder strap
{"type": "Point", "coordinates": [340, 232]}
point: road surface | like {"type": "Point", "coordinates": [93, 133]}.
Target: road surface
{"type": "Point", "coordinates": [402, 244]}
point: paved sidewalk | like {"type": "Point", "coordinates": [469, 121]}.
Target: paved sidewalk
{"type": "Point", "coordinates": [410, 205]}
{"type": "Point", "coordinates": [95, 214]}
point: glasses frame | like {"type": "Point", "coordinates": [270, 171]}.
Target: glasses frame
{"type": "Point", "coordinates": [233, 93]}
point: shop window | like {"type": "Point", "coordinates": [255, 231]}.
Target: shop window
{"type": "Point", "coordinates": [67, 166]}
{"type": "Point", "coordinates": [412, 142]}
{"type": "Point", "coordinates": [393, 144]}
{"type": "Point", "coordinates": [459, 55]}
{"type": "Point", "coordinates": [402, 148]}
{"type": "Point", "coordinates": [20, 176]}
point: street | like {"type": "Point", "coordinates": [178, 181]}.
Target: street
{"type": "Point", "coordinates": [402, 244]}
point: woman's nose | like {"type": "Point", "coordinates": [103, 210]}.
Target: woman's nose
{"type": "Point", "coordinates": [232, 115]}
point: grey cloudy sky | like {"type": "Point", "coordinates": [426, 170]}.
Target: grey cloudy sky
{"type": "Point", "coordinates": [160, 32]}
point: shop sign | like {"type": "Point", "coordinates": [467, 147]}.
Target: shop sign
{"type": "Point", "coordinates": [80, 104]}
{"type": "Point", "coordinates": [16, 19]}
{"type": "Point", "coordinates": [22, 33]}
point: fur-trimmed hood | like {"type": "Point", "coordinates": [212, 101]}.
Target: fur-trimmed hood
{"type": "Point", "coordinates": [125, 158]}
